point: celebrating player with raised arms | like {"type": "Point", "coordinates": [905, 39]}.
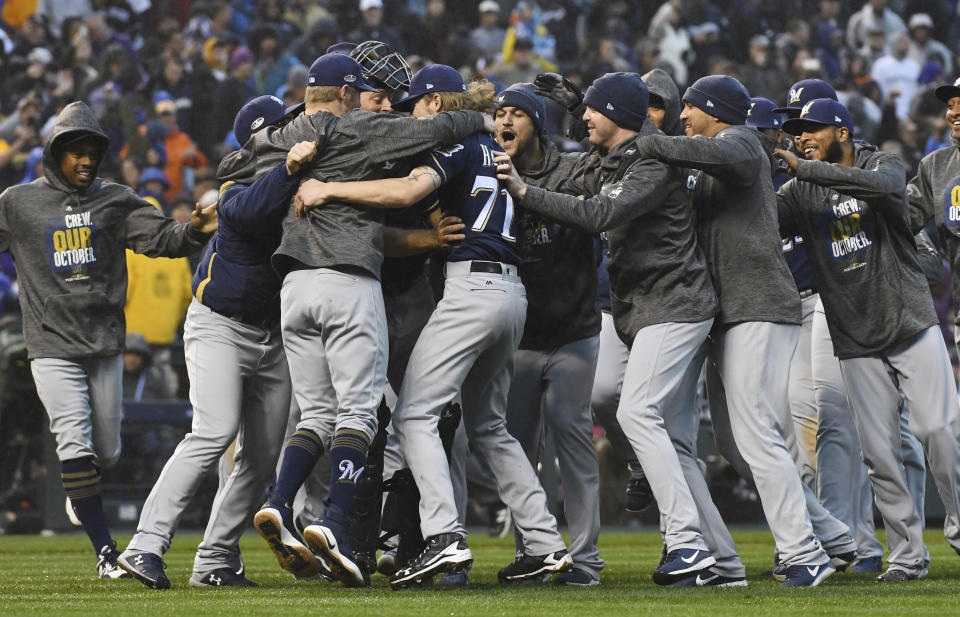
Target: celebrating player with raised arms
{"type": "Point", "coordinates": [469, 341]}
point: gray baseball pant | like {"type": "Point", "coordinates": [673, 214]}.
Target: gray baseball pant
{"type": "Point", "coordinates": [605, 398]}
{"type": "Point", "coordinates": [468, 344]}
{"type": "Point", "coordinates": [82, 398]}
{"type": "Point", "coordinates": [922, 370]}
{"type": "Point", "coordinates": [683, 426]}
{"type": "Point", "coordinates": [843, 485]}
{"type": "Point", "coordinates": [659, 359]}
{"type": "Point", "coordinates": [550, 392]}
{"type": "Point", "coordinates": [751, 360]}
{"type": "Point", "coordinates": [335, 337]}
{"type": "Point", "coordinates": [239, 388]}
{"type": "Point", "coordinates": [803, 401]}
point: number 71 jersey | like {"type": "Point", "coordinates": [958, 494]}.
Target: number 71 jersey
{"type": "Point", "coordinates": [471, 191]}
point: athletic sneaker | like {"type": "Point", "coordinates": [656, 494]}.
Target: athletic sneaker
{"type": "Point", "coordinates": [709, 578]}
{"type": "Point", "coordinates": [526, 567]}
{"type": "Point", "coordinates": [840, 561]}
{"type": "Point", "coordinates": [275, 524]}
{"type": "Point", "coordinates": [145, 567]}
{"type": "Point", "coordinates": [577, 577]}
{"type": "Point", "coordinates": [639, 495]}
{"type": "Point", "coordinates": [443, 553]}
{"type": "Point", "coordinates": [221, 577]}
{"type": "Point", "coordinates": [107, 562]}
{"type": "Point", "coordinates": [805, 575]}
{"type": "Point", "coordinates": [868, 564]}
{"type": "Point", "coordinates": [681, 563]}
{"type": "Point", "coordinates": [896, 575]}
{"type": "Point", "coordinates": [387, 563]}
{"type": "Point", "coordinates": [328, 537]}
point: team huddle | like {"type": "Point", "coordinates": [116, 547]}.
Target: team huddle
{"type": "Point", "coordinates": [766, 251]}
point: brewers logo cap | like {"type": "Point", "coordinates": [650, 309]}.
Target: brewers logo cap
{"type": "Point", "coordinates": [803, 92]}
{"type": "Point", "coordinates": [431, 78]}
{"type": "Point", "coordinates": [822, 112]}
{"type": "Point", "coordinates": [337, 70]}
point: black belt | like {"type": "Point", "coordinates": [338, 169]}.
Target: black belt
{"type": "Point", "coordinates": [267, 323]}
{"type": "Point", "coordinates": [491, 267]}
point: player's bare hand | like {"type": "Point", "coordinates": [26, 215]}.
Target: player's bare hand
{"type": "Point", "coordinates": [204, 218]}
{"type": "Point", "coordinates": [489, 125]}
{"type": "Point", "coordinates": [311, 194]}
{"type": "Point", "coordinates": [789, 160]}
{"type": "Point", "coordinates": [448, 231]}
{"type": "Point", "coordinates": [299, 154]}
{"type": "Point", "coordinates": [508, 176]}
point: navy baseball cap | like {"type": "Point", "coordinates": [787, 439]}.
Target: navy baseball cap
{"type": "Point", "coordinates": [948, 91]}
{"type": "Point", "coordinates": [261, 112]}
{"type": "Point", "coordinates": [823, 112]}
{"type": "Point", "coordinates": [337, 70]}
{"type": "Point", "coordinates": [431, 78]}
{"type": "Point", "coordinates": [803, 92]}
{"type": "Point", "coordinates": [762, 114]}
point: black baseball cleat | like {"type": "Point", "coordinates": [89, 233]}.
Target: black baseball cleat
{"type": "Point", "coordinates": [275, 525]}
{"type": "Point", "coordinates": [526, 567]}
{"type": "Point", "coordinates": [840, 561]}
{"type": "Point", "coordinates": [328, 538]}
{"type": "Point", "coordinates": [639, 495]}
{"type": "Point", "coordinates": [107, 567]}
{"type": "Point", "coordinates": [896, 575]}
{"type": "Point", "coordinates": [221, 577]}
{"type": "Point", "coordinates": [444, 553]}
{"type": "Point", "coordinates": [577, 577]}
{"type": "Point", "coordinates": [145, 567]}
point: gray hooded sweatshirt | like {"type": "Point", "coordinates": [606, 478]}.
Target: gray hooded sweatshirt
{"type": "Point", "coordinates": [660, 83]}
{"type": "Point", "coordinates": [935, 193]}
{"type": "Point", "coordinates": [864, 260]}
{"type": "Point", "coordinates": [361, 145]}
{"type": "Point", "coordinates": [657, 272]}
{"type": "Point", "coordinates": [736, 211]}
{"type": "Point", "coordinates": [69, 248]}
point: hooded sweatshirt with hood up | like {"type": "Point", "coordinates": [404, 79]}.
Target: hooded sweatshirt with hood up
{"type": "Point", "coordinates": [69, 244]}
{"type": "Point", "coordinates": [659, 83]}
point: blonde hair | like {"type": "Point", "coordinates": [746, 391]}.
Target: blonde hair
{"type": "Point", "coordinates": [478, 97]}
{"type": "Point", "coordinates": [321, 94]}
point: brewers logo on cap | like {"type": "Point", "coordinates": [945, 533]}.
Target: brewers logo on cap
{"type": "Point", "coordinates": [795, 95]}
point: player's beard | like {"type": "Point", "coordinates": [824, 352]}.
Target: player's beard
{"type": "Point", "coordinates": [834, 152]}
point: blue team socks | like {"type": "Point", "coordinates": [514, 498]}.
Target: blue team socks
{"type": "Point", "coordinates": [81, 481]}
{"type": "Point", "coordinates": [348, 454]}
{"type": "Point", "coordinates": [303, 449]}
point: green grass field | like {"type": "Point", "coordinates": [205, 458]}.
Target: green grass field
{"type": "Point", "coordinates": [55, 576]}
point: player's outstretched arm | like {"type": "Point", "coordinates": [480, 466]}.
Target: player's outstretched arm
{"type": "Point", "coordinates": [385, 193]}
{"type": "Point", "coordinates": [883, 183]}
{"type": "Point", "coordinates": [729, 158]}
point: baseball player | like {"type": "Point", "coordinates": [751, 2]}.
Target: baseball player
{"type": "Point", "coordinates": [557, 358]}
{"type": "Point", "coordinates": [332, 315]}
{"type": "Point", "coordinates": [849, 203]}
{"type": "Point", "coordinates": [68, 231]}
{"type": "Point", "coordinates": [757, 328]}
{"type": "Point", "coordinates": [799, 422]}
{"type": "Point", "coordinates": [842, 485]}
{"type": "Point", "coordinates": [480, 319]}
{"type": "Point", "coordinates": [663, 300]}
{"type": "Point", "coordinates": [239, 380]}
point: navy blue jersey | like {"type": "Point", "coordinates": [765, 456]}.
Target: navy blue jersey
{"type": "Point", "coordinates": [794, 251]}
{"type": "Point", "coordinates": [470, 191]}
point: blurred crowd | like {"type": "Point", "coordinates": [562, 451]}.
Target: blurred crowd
{"type": "Point", "coordinates": [167, 78]}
